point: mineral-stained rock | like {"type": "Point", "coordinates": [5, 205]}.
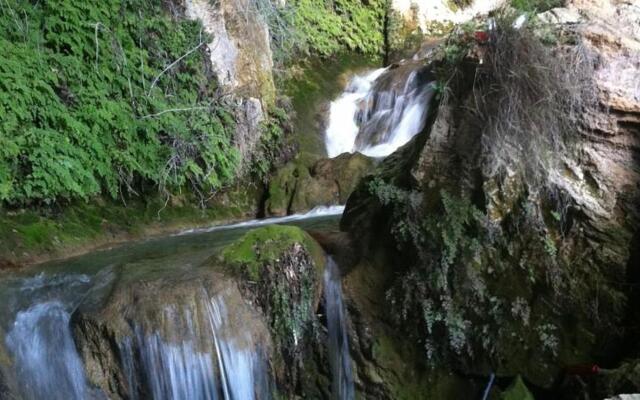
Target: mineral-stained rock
{"type": "Point", "coordinates": [241, 58]}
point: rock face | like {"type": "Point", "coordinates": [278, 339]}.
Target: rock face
{"type": "Point", "coordinates": [426, 12]}
{"type": "Point", "coordinates": [307, 182]}
{"type": "Point", "coordinates": [410, 19]}
{"type": "Point", "coordinates": [139, 333]}
{"type": "Point", "coordinates": [241, 57]}
{"type": "Point", "coordinates": [506, 277]}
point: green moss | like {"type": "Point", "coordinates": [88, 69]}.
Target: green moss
{"type": "Point", "coordinates": [517, 391]}
{"type": "Point", "coordinates": [268, 244]}
{"type": "Point", "coordinates": [38, 233]}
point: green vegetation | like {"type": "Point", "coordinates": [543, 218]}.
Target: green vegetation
{"type": "Point", "coordinates": [323, 27]}
{"type": "Point", "coordinates": [266, 245]}
{"type": "Point", "coordinates": [272, 146]}
{"type": "Point", "coordinates": [536, 6]}
{"type": "Point", "coordinates": [107, 98]}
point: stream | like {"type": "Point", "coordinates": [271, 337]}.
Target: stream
{"type": "Point", "coordinates": [180, 361]}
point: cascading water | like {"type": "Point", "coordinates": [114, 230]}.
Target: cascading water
{"type": "Point", "coordinates": [48, 365]}
{"type": "Point", "coordinates": [194, 358]}
{"type": "Point", "coordinates": [379, 111]}
{"type": "Point", "coordinates": [342, 377]}
{"type": "Point", "coordinates": [199, 347]}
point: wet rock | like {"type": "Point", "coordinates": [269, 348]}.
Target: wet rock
{"type": "Point", "coordinates": [145, 310]}
{"type": "Point", "coordinates": [281, 269]}
{"type": "Point", "coordinates": [307, 182]}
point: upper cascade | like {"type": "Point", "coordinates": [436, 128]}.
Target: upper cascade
{"type": "Point", "coordinates": [379, 111]}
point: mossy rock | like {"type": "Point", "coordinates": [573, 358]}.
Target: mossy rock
{"type": "Point", "coordinates": [282, 187]}
{"type": "Point", "coordinates": [346, 170]}
{"type": "Point", "coordinates": [267, 245]}
{"type": "Point", "coordinates": [280, 269]}
{"type": "Point", "coordinates": [38, 234]}
{"type": "Point", "coordinates": [308, 182]}
{"type": "Point", "coordinates": [517, 391]}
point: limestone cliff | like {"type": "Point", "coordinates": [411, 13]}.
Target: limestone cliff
{"type": "Point", "coordinates": [241, 58]}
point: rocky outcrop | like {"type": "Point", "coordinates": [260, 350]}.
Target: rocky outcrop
{"type": "Point", "coordinates": [506, 276]}
{"type": "Point", "coordinates": [410, 20]}
{"type": "Point", "coordinates": [281, 268]}
{"type": "Point", "coordinates": [125, 328]}
{"type": "Point", "coordinates": [155, 328]}
{"type": "Point", "coordinates": [425, 12]}
{"type": "Point", "coordinates": [308, 181]}
{"type": "Point", "coordinates": [241, 58]}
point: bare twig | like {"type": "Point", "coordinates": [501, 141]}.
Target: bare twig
{"type": "Point", "coordinates": [175, 110]}
{"type": "Point", "coordinates": [182, 57]}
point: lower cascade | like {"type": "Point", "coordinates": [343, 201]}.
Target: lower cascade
{"type": "Point", "coordinates": [379, 111]}
{"type": "Point", "coordinates": [163, 328]}
{"type": "Point", "coordinates": [340, 360]}
{"type": "Point", "coordinates": [47, 362]}
{"type": "Point", "coordinates": [203, 363]}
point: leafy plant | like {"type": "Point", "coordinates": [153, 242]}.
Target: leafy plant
{"type": "Point", "coordinates": [107, 97]}
{"type": "Point", "coordinates": [323, 27]}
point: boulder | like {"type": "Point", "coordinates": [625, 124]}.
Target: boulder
{"type": "Point", "coordinates": [281, 269]}
{"type": "Point", "coordinates": [308, 182]}
{"type": "Point", "coordinates": [147, 310]}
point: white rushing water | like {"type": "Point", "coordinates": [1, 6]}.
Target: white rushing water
{"type": "Point", "coordinates": [47, 362]}
{"type": "Point", "coordinates": [206, 363]}
{"type": "Point", "coordinates": [343, 129]}
{"type": "Point", "coordinates": [339, 357]}
{"type": "Point", "coordinates": [376, 121]}
{"type": "Point", "coordinates": [317, 212]}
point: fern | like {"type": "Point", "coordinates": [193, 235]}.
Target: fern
{"type": "Point", "coordinates": [75, 103]}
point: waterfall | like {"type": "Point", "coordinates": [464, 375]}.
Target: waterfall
{"type": "Point", "coordinates": [47, 363]}
{"type": "Point", "coordinates": [379, 112]}
{"type": "Point", "coordinates": [339, 358]}
{"type": "Point", "coordinates": [194, 358]}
